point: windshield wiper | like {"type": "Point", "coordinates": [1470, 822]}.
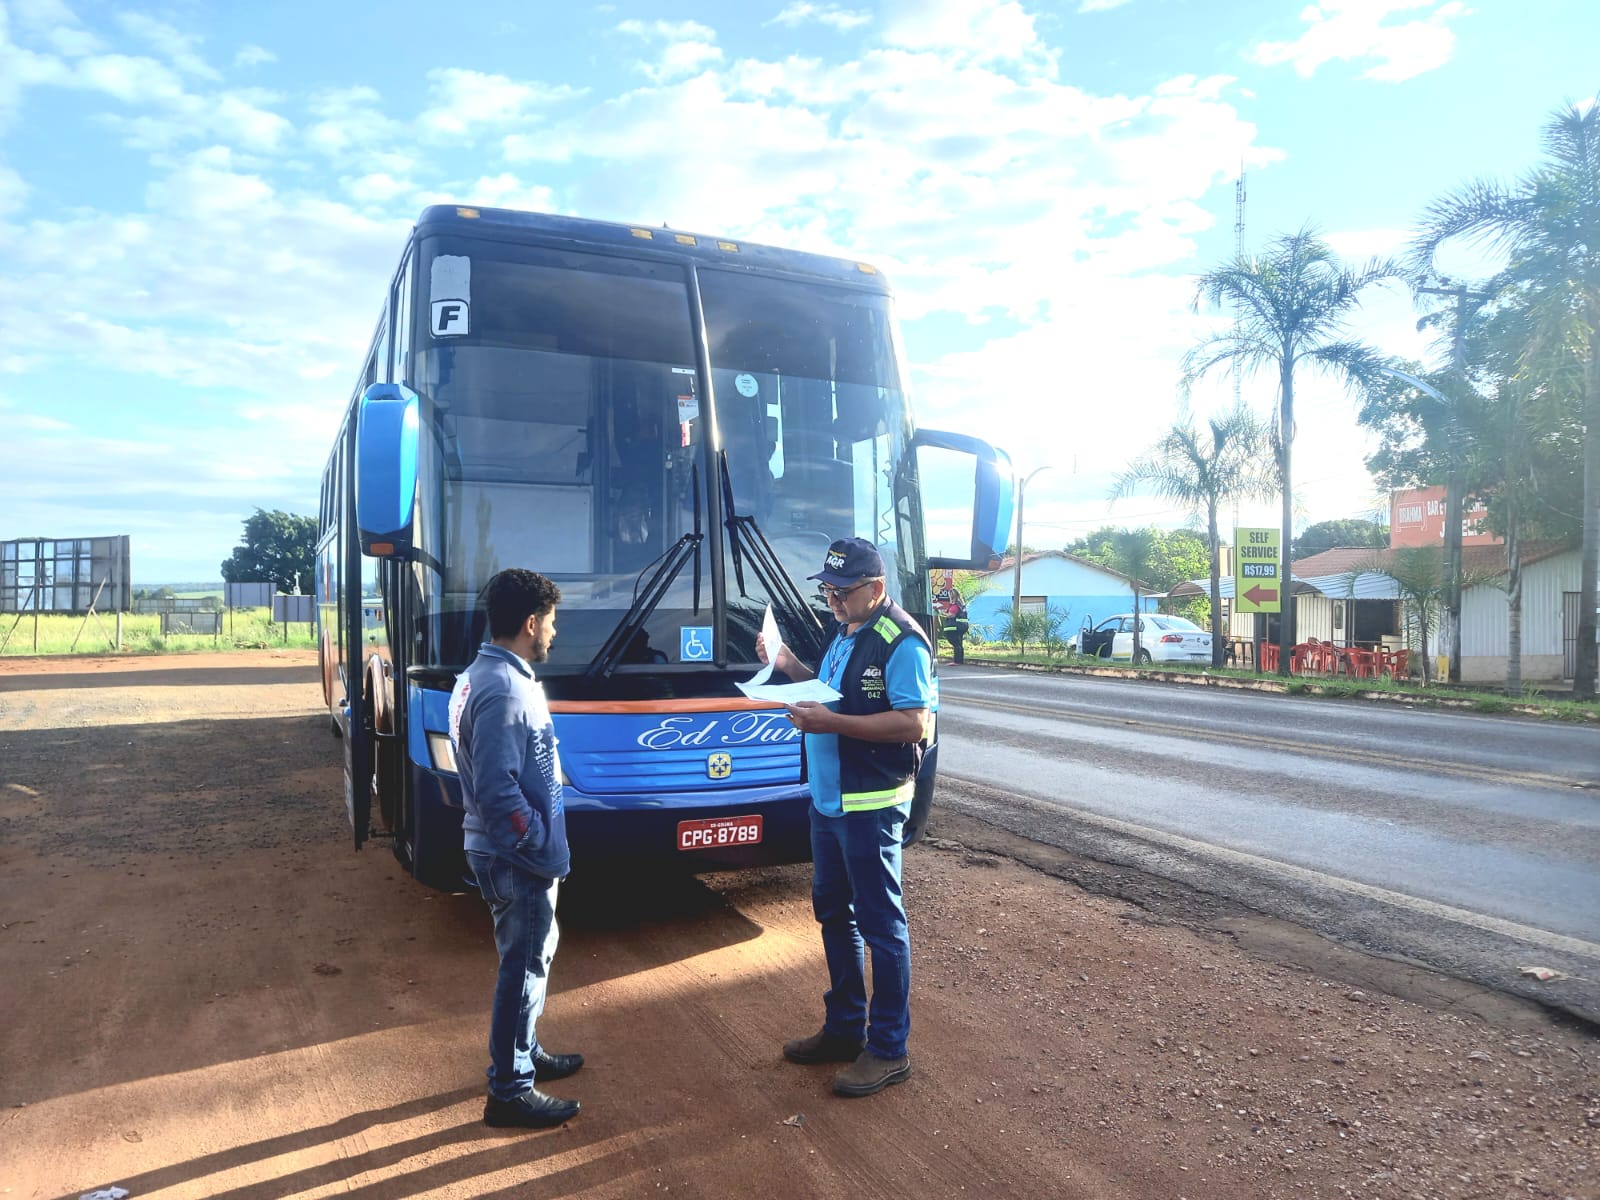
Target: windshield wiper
{"type": "Point", "coordinates": [745, 539]}
{"type": "Point", "coordinates": [647, 595]}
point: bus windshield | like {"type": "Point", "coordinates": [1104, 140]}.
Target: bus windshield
{"type": "Point", "coordinates": [563, 430]}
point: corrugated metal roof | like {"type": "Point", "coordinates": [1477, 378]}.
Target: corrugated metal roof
{"type": "Point", "coordinates": [1368, 585]}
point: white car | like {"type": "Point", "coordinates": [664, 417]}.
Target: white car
{"type": "Point", "coordinates": [1161, 639]}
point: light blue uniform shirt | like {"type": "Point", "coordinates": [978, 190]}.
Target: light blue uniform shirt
{"type": "Point", "coordinates": [909, 678]}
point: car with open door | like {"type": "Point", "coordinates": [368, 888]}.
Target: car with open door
{"type": "Point", "coordinates": [1162, 639]}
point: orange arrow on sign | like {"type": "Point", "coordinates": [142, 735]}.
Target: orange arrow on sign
{"type": "Point", "coordinates": [1260, 595]}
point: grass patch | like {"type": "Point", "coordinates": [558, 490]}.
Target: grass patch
{"type": "Point", "coordinates": [243, 629]}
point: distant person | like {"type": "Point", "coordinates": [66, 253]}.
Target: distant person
{"type": "Point", "coordinates": [516, 837]}
{"type": "Point", "coordinates": [862, 754]}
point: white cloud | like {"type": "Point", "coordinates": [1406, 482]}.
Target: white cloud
{"type": "Point", "coordinates": [164, 113]}
{"type": "Point", "coordinates": [975, 188]}
{"type": "Point", "coordinates": [670, 31]}
{"type": "Point", "coordinates": [30, 422]}
{"type": "Point", "coordinates": [223, 281]}
{"type": "Point", "coordinates": [985, 31]}
{"type": "Point", "coordinates": [13, 190]}
{"type": "Point", "coordinates": [688, 47]}
{"type": "Point", "coordinates": [178, 48]}
{"type": "Point", "coordinates": [253, 56]}
{"type": "Point", "coordinates": [41, 16]}
{"type": "Point", "coordinates": [129, 79]}
{"type": "Point", "coordinates": [350, 124]}
{"type": "Point", "coordinates": [507, 191]}
{"type": "Point", "coordinates": [1090, 6]}
{"type": "Point", "coordinates": [831, 15]}
{"type": "Point", "coordinates": [465, 100]}
{"type": "Point", "coordinates": [1359, 31]}
{"type": "Point", "coordinates": [237, 119]}
{"type": "Point", "coordinates": [378, 188]}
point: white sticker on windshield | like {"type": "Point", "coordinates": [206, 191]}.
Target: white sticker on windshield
{"type": "Point", "coordinates": [746, 383]}
{"type": "Point", "coordinates": [450, 295]}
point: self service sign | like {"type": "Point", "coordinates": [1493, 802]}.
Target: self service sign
{"type": "Point", "coordinates": [1257, 573]}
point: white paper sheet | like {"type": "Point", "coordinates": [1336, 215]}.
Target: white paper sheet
{"type": "Point", "coordinates": [790, 693]}
{"type": "Point", "coordinates": [772, 642]}
{"type": "Point", "coordinates": [757, 687]}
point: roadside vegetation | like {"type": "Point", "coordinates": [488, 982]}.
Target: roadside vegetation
{"type": "Point", "coordinates": [242, 629]}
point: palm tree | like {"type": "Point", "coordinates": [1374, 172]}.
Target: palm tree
{"type": "Point", "coordinates": [1293, 302]}
{"type": "Point", "coordinates": [1202, 473]}
{"type": "Point", "coordinates": [1512, 431]}
{"type": "Point", "coordinates": [1548, 223]}
{"type": "Point", "coordinates": [1133, 552]}
{"type": "Point", "coordinates": [1419, 576]}
{"type": "Point", "coordinates": [1507, 437]}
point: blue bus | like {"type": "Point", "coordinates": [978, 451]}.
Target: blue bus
{"type": "Point", "coordinates": [673, 428]}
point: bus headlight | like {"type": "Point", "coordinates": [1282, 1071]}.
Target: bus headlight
{"type": "Point", "coordinates": [444, 754]}
{"type": "Point", "coordinates": [444, 757]}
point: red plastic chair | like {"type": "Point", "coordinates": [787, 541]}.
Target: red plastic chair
{"type": "Point", "coordinates": [1364, 664]}
{"type": "Point", "coordinates": [1269, 656]}
{"type": "Point", "coordinates": [1398, 664]}
{"type": "Point", "coordinates": [1300, 658]}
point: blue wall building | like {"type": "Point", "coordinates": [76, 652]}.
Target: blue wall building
{"type": "Point", "coordinates": [1054, 579]}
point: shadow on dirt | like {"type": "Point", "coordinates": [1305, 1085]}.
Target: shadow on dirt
{"type": "Point", "coordinates": [179, 677]}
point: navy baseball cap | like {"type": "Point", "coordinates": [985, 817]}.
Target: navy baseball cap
{"type": "Point", "coordinates": [849, 561]}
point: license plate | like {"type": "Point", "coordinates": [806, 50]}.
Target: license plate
{"type": "Point", "coordinates": [711, 832]}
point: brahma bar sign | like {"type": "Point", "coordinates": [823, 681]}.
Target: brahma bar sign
{"type": "Point", "coordinates": [1257, 571]}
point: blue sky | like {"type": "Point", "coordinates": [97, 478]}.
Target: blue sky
{"type": "Point", "coordinates": [201, 203]}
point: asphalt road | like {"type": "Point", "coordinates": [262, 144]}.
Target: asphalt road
{"type": "Point", "coordinates": [1468, 843]}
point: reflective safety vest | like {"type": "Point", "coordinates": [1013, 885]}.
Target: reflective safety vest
{"type": "Point", "coordinates": [876, 774]}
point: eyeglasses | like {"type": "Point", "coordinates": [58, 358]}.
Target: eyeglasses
{"type": "Point", "coordinates": [828, 592]}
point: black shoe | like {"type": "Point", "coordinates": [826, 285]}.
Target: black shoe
{"type": "Point", "coordinates": [531, 1110]}
{"type": "Point", "coordinates": [554, 1066]}
{"type": "Point", "coordinates": [822, 1047]}
{"type": "Point", "coordinates": [870, 1074]}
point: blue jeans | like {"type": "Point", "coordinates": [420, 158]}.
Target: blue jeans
{"type": "Point", "coordinates": [855, 893]}
{"type": "Point", "coordinates": [524, 908]}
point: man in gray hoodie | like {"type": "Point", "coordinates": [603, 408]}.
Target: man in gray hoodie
{"type": "Point", "coordinates": [515, 833]}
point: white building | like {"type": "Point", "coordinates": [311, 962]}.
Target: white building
{"type": "Point", "coordinates": [1338, 600]}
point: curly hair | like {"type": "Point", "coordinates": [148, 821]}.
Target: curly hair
{"type": "Point", "coordinates": [513, 596]}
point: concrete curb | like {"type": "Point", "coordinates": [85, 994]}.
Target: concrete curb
{"type": "Point", "coordinates": [1232, 683]}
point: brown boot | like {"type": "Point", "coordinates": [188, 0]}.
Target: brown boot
{"type": "Point", "coordinates": [821, 1047]}
{"type": "Point", "coordinates": [869, 1074]}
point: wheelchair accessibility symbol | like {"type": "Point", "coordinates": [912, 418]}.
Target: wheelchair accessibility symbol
{"type": "Point", "coordinates": [694, 643]}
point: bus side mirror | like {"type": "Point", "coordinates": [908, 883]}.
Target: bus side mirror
{"type": "Point", "coordinates": [386, 469]}
{"type": "Point", "coordinates": [952, 468]}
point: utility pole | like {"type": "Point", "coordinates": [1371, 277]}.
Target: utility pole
{"type": "Point", "coordinates": [1452, 487]}
{"type": "Point", "coordinates": [1016, 575]}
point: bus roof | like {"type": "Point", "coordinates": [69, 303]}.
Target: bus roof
{"type": "Point", "coordinates": [671, 243]}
